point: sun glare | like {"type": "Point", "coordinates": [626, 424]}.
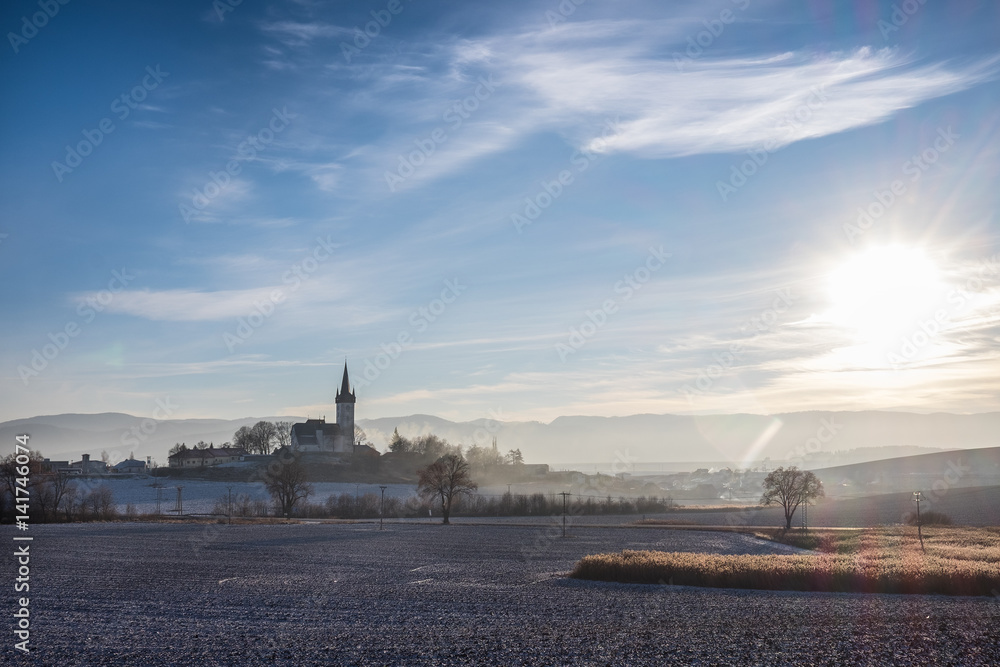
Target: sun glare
{"type": "Point", "coordinates": [883, 292]}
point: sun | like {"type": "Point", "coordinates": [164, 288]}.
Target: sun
{"type": "Point", "coordinates": [882, 292]}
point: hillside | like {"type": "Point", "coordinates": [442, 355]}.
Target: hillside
{"type": "Point", "coordinates": [942, 470]}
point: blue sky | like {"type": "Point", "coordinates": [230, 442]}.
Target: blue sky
{"type": "Point", "coordinates": [601, 208]}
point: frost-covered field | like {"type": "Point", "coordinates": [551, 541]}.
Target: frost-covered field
{"type": "Point", "coordinates": [350, 594]}
{"type": "Point", "coordinates": [200, 496]}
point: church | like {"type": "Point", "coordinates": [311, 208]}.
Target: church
{"type": "Point", "coordinates": [316, 435]}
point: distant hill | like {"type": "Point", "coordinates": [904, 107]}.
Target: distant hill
{"type": "Point", "coordinates": [643, 440]}
{"type": "Point", "coordinates": [939, 470]}
{"type": "Point", "coordinates": [605, 442]}
{"type": "Point", "coordinates": [67, 436]}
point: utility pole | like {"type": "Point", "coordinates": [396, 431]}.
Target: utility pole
{"type": "Point", "coordinates": [564, 494]}
{"type": "Point", "coordinates": [381, 509]}
{"type": "Point", "coordinates": [917, 498]}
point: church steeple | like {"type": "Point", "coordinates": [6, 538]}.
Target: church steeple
{"type": "Point", "coordinates": [345, 395]}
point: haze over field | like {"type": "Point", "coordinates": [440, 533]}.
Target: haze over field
{"type": "Point", "coordinates": [638, 442]}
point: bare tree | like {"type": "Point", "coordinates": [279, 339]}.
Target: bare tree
{"type": "Point", "coordinates": [790, 487]}
{"type": "Point", "coordinates": [70, 502]}
{"type": "Point", "coordinates": [259, 438]}
{"type": "Point", "coordinates": [50, 488]}
{"type": "Point", "coordinates": [27, 477]}
{"type": "Point", "coordinates": [483, 457]}
{"type": "Point", "coordinates": [446, 479]}
{"type": "Point", "coordinates": [263, 434]}
{"type": "Point", "coordinates": [285, 480]}
{"type": "Point", "coordinates": [243, 439]}
{"type": "Point", "coordinates": [177, 449]}
{"type": "Point", "coordinates": [101, 503]}
{"type": "Point", "coordinates": [282, 434]}
{"type": "Point", "coordinates": [360, 437]}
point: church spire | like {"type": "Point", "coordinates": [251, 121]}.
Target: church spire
{"type": "Point", "coordinates": [345, 395]}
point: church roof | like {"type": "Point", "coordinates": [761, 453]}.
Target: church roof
{"type": "Point", "coordinates": [345, 395]}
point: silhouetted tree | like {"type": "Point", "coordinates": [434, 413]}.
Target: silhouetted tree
{"type": "Point", "coordinates": [790, 487]}
{"type": "Point", "coordinates": [514, 457]}
{"type": "Point", "coordinates": [282, 434]}
{"type": "Point", "coordinates": [398, 443]}
{"type": "Point", "coordinates": [430, 446]}
{"type": "Point", "coordinates": [256, 439]}
{"type": "Point", "coordinates": [446, 479]}
{"type": "Point", "coordinates": [263, 434]}
{"type": "Point", "coordinates": [285, 480]}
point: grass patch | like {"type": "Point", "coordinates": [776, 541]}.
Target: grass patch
{"type": "Point", "coordinates": [957, 561]}
{"type": "Point", "coordinates": [663, 522]}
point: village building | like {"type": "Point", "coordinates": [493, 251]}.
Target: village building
{"type": "Point", "coordinates": [87, 467]}
{"type": "Point", "coordinates": [210, 456]}
{"type": "Point", "coordinates": [130, 466]}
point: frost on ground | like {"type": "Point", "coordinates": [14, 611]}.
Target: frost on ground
{"type": "Point", "coordinates": [311, 594]}
{"type": "Point", "coordinates": [200, 496]}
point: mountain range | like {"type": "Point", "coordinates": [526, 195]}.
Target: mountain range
{"type": "Point", "coordinates": [809, 439]}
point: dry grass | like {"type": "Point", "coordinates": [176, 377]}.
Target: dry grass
{"type": "Point", "coordinates": [957, 561]}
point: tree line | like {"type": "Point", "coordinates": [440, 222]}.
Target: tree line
{"type": "Point", "coordinates": [53, 496]}
{"type": "Point", "coordinates": [433, 447]}
{"type": "Point", "coordinates": [263, 438]}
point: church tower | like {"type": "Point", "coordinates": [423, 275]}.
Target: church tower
{"type": "Point", "coordinates": [344, 440]}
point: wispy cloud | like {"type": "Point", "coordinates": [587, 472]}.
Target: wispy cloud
{"type": "Point", "coordinates": [297, 34]}
{"type": "Point", "coordinates": [573, 79]}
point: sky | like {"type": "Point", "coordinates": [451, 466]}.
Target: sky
{"type": "Point", "coordinates": [512, 210]}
